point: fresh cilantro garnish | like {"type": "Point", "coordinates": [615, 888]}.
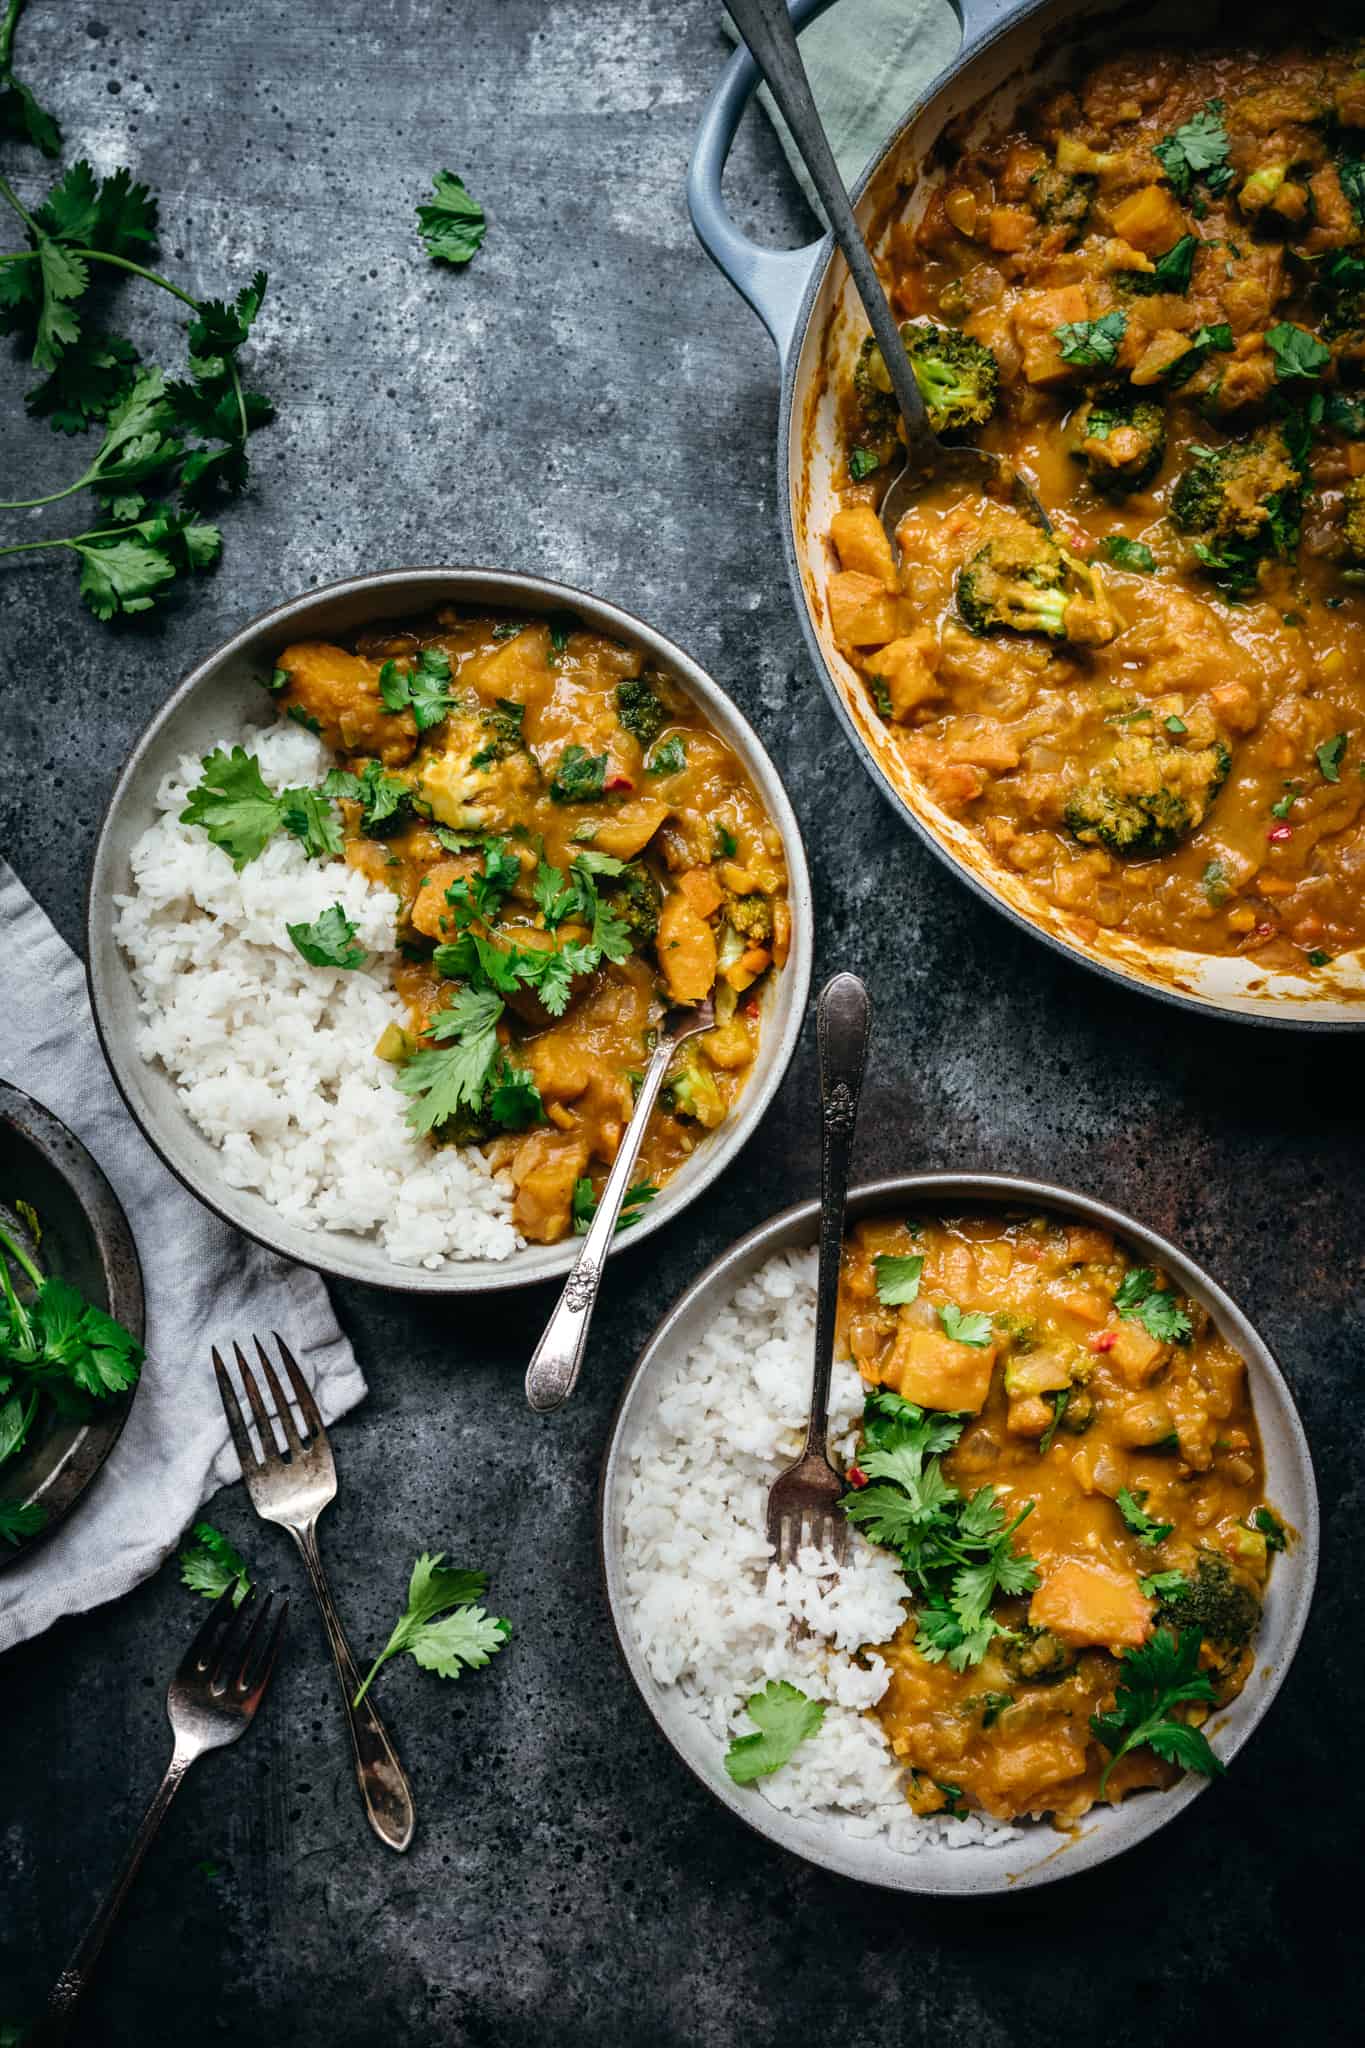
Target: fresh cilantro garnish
{"type": "Point", "coordinates": [784, 1718]}
{"type": "Point", "coordinates": [897, 1278]}
{"type": "Point", "coordinates": [1162, 1675]}
{"type": "Point", "coordinates": [18, 1520]}
{"type": "Point", "coordinates": [422, 688]}
{"type": "Point", "coordinates": [862, 462]}
{"type": "Point", "coordinates": [669, 758]}
{"type": "Point", "coordinates": [1197, 149]}
{"type": "Point", "coordinates": [580, 776]}
{"type": "Point", "coordinates": [1061, 1401]}
{"type": "Point", "coordinates": [464, 1640]}
{"type": "Point", "coordinates": [513, 1097]}
{"type": "Point", "coordinates": [1214, 883]}
{"type": "Point", "coordinates": [1271, 1528]}
{"type": "Point", "coordinates": [1283, 805]}
{"type": "Point", "coordinates": [20, 114]}
{"type": "Point", "coordinates": [329, 941]}
{"type": "Point", "coordinates": [965, 1326]}
{"type": "Point", "coordinates": [241, 815]}
{"type": "Point", "coordinates": [380, 795]}
{"type": "Point", "coordinates": [309, 816]}
{"type": "Point", "coordinates": [1346, 414]}
{"type": "Point", "coordinates": [1318, 957]}
{"type": "Point", "coordinates": [1092, 342]}
{"type": "Point", "coordinates": [726, 842]}
{"type": "Point", "coordinates": [1163, 1585]}
{"type": "Point", "coordinates": [1129, 554]}
{"type": "Point", "coordinates": [1330, 757]}
{"type": "Point", "coordinates": [633, 1206]}
{"type": "Point", "coordinates": [1297, 353]}
{"type": "Point", "coordinates": [1172, 271]}
{"type": "Point", "coordinates": [957, 1554]}
{"type": "Point", "coordinates": [209, 1564]}
{"type": "Point", "coordinates": [1140, 1300]}
{"type": "Point", "coordinates": [452, 224]}
{"type": "Point", "coordinates": [1133, 1507]}
{"type": "Point", "coordinates": [452, 1072]}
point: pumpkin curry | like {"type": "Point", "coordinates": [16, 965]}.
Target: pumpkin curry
{"type": "Point", "coordinates": [1149, 296]}
{"type": "Point", "coordinates": [573, 849]}
{"type": "Point", "coordinates": [1061, 1449]}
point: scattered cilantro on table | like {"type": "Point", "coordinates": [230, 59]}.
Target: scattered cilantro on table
{"type": "Point", "coordinates": [1140, 1300]}
{"type": "Point", "coordinates": [329, 941]}
{"type": "Point", "coordinates": [209, 1564]}
{"type": "Point", "coordinates": [464, 1640]}
{"type": "Point", "coordinates": [453, 223]}
{"type": "Point", "coordinates": [1162, 1675]}
{"type": "Point", "coordinates": [784, 1718]}
{"type": "Point", "coordinates": [1133, 1507]}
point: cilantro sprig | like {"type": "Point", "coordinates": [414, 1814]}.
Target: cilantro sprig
{"type": "Point", "coordinates": [958, 1554]}
{"type": "Point", "coordinates": [1092, 343]}
{"type": "Point", "coordinates": [897, 1278]}
{"type": "Point", "coordinates": [784, 1718]}
{"type": "Point", "coordinates": [329, 941]}
{"type": "Point", "coordinates": [1156, 1679]}
{"type": "Point", "coordinates": [463, 1640]}
{"type": "Point", "coordinates": [1158, 1309]}
{"type": "Point", "coordinates": [241, 814]}
{"type": "Point", "coordinates": [635, 1201]}
{"type": "Point", "coordinates": [210, 1563]}
{"type": "Point", "coordinates": [423, 688]}
{"type": "Point", "coordinates": [1197, 149]}
{"type": "Point", "coordinates": [1133, 1507]}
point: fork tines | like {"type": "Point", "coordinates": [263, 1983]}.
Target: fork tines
{"type": "Point", "coordinates": [271, 1452]}
{"type": "Point", "coordinates": [225, 1656]}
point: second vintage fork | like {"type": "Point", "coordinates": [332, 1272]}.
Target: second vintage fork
{"type": "Point", "coordinates": [292, 1490]}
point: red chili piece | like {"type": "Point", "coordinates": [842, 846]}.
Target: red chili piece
{"type": "Point", "coordinates": [1102, 1340]}
{"type": "Point", "coordinates": [1279, 833]}
{"type": "Point", "coordinates": [856, 1476]}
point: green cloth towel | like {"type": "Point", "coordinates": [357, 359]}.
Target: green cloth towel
{"type": "Point", "coordinates": [868, 61]}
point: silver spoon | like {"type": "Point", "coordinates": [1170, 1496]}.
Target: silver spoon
{"type": "Point", "coordinates": [556, 1361]}
{"type": "Point", "coordinates": [766, 27]}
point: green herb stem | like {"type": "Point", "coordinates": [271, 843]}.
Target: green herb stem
{"type": "Point", "coordinates": [22, 1256]}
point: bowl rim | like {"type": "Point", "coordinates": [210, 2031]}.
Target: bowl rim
{"type": "Point", "coordinates": [1133, 1821]}
{"type": "Point", "coordinates": [792, 472]}
{"type": "Point", "coordinates": [71, 1159]}
{"type": "Point", "coordinates": [791, 992]}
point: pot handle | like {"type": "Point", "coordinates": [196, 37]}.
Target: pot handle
{"type": "Point", "coordinates": [773, 281]}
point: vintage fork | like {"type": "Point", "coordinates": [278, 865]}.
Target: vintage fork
{"type": "Point", "coordinates": [804, 1500]}
{"type": "Point", "coordinates": [211, 1700]}
{"type": "Point", "coordinates": [292, 1490]}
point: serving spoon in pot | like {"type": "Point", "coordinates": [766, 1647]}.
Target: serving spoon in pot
{"type": "Point", "coordinates": [766, 27]}
{"type": "Point", "coordinates": [558, 1358]}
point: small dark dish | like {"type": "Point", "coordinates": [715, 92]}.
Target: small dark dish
{"type": "Point", "coordinates": [87, 1240]}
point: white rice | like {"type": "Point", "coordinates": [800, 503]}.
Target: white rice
{"type": "Point", "coordinates": [274, 1059]}
{"type": "Point", "coordinates": [713, 1613]}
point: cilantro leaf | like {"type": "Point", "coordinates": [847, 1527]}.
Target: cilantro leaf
{"type": "Point", "coordinates": [634, 1203]}
{"type": "Point", "coordinates": [380, 795]}
{"type": "Point", "coordinates": [513, 1098]}
{"type": "Point", "coordinates": [233, 804]}
{"type": "Point", "coordinates": [209, 1564]}
{"type": "Point", "coordinates": [95, 372]}
{"type": "Point", "coordinates": [580, 777]}
{"type": "Point", "coordinates": [785, 1718]}
{"type": "Point", "coordinates": [1330, 757]}
{"type": "Point", "coordinates": [18, 1520]}
{"type": "Point", "coordinates": [965, 1326]}
{"type": "Point", "coordinates": [1172, 271]}
{"type": "Point", "coordinates": [1197, 149]}
{"type": "Point", "coordinates": [1139, 1299]}
{"type": "Point", "coordinates": [452, 224]}
{"type": "Point", "coordinates": [1297, 353]}
{"type": "Point", "coordinates": [1163, 1585]}
{"type": "Point", "coordinates": [16, 1419]}
{"type": "Point", "coordinates": [329, 941]}
{"type": "Point", "coordinates": [1092, 342]}
{"type": "Point", "coordinates": [1129, 554]}
{"type": "Point", "coordinates": [668, 758]}
{"type": "Point", "coordinates": [20, 113]}
{"type": "Point", "coordinates": [423, 688]}
{"type": "Point", "coordinates": [453, 1072]}
{"type": "Point", "coordinates": [1155, 1679]}
{"type": "Point", "coordinates": [897, 1278]}
{"type": "Point", "coordinates": [466, 1639]}
{"type": "Point", "coordinates": [1271, 1528]}
{"type": "Point", "coordinates": [308, 815]}
{"type": "Point", "coordinates": [1133, 1507]}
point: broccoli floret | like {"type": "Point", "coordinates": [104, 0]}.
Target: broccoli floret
{"type": "Point", "coordinates": [640, 710]}
{"type": "Point", "coordinates": [464, 1126]}
{"type": "Point", "coordinates": [752, 917]}
{"type": "Point", "coordinates": [1147, 795]}
{"type": "Point", "coordinates": [1225, 1609]}
{"type": "Point", "coordinates": [502, 729]}
{"type": "Point", "coordinates": [1241, 503]}
{"type": "Point", "coordinates": [636, 898]}
{"type": "Point", "coordinates": [1061, 199]}
{"type": "Point", "coordinates": [1035, 1656]}
{"type": "Point", "coordinates": [1023, 580]}
{"type": "Point", "coordinates": [959, 379]}
{"type": "Point", "coordinates": [691, 1089]}
{"type": "Point", "coordinates": [1079, 1411]}
{"type": "Point", "coordinates": [1121, 438]}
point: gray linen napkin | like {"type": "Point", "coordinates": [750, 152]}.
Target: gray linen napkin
{"type": "Point", "coordinates": [204, 1283]}
{"type": "Point", "coordinates": [867, 61]}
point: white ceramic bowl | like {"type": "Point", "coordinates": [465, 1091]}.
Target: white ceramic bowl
{"type": "Point", "coordinates": [224, 691]}
{"type": "Point", "coordinates": [1041, 1854]}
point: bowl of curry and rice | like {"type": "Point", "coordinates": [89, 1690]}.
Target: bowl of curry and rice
{"type": "Point", "coordinates": [390, 899]}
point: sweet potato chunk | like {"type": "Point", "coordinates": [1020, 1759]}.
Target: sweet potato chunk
{"type": "Point", "coordinates": [1037, 317]}
{"type": "Point", "coordinates": [337, 695]}
{"type": "Point", "coordinates": [908, 668]}
{"type": "Point", "coordinates": [861, 540]}
{"type": "Point", "coordinates": [1087, 1604]}
{"type": "Point", "coordinates": [545, 1168]}
{"type": "Point", "coordinates": [935, 1372]}
{"type": "Point", "coordinates": [687, 951]}
{"type": "Point", "coordinates": [862, 611]}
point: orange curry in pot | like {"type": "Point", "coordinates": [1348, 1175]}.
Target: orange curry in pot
{"type": "Point", "coordinates": [1062, 1450]}
{"type": "Point", "coordinates": [573, 849]}
{"type": "Point", "coordinates": [1149, 295]}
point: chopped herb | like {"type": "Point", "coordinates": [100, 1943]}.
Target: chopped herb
{"type": "Point", "coordinates": [1162, 1675]}
{"type": "Point", "coordinates": [993, 1705]}
{"type": "Point", "coordinates": [1214, 883]}
{"type": "Point", "coordinates": [1271, 1528]}
{"type": "Point", "coordinates": [965, 1326]}
{"type": "Point", "coordinates": [1163, 1585]}
{"type": "Point", "coordinates": [463, 1641]}
{"type": "Point", "coordinates": [636, 1200]}
{"type": "Point", "coordinates": [1129, 554]}
{"type": "Point", "coordinates": [668, 759]}
{"type": "Point", "coordinates": [1133, 1507]}
{"type": "Point", "coordinates": [784, 1718]}
{"type": "Point", "coordinates": [209, 1564]}
{"type": "Point", "coordinates": [1172, 271]}
{"type": "Point", "coordinates": [862, 462]}
{"type": "Point", "coordinates": [1059, 1408]}
{"type": "Point", "coordinates": [1318, 958]}
{"type": "Point", "coordinates": [1297, 353]}
{"type": "Point", "coordinates": [329, 941]}
{"type": "Point", "coordinates": [897, 1278]}
{"type": "Point", "coordinates": [1283, 805]}
{"type": "Point", "coordinates": [234, 806]}
{"type": "Point", "coordinates": [452, 224]}
{"type": "Point", "coordinates": [381, 796]}
{"type": "Point", "coordinates": [1092, 342]}
{"type": "Point", "coordinates": [1197, 149]}
{"type": "Point", "coordinates": [580, 776]}
{"type": "Point", "coordinates": [423, 688]}
{"type": "Point", "coordinates": [1140, 1300]}
{"type": "Point", "coordinates": [1174, 724]}
{"type": "Point", "coordinates": [509, 629]}
{"type": "Point", "coordinates": [726, 842]}
{"type": "Point", "coordinates": [1330, 756]}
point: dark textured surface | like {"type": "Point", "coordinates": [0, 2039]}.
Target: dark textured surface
{"type": "Point", "coordinates": [569, 1882]}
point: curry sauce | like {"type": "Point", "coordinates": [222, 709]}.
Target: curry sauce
{"type": "Point", "coordinates": [571, 842]}
{"type": "Point", "coordinates": [1129, 1461]}
{"type": "Point", "coordinates": [1161, 269]}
